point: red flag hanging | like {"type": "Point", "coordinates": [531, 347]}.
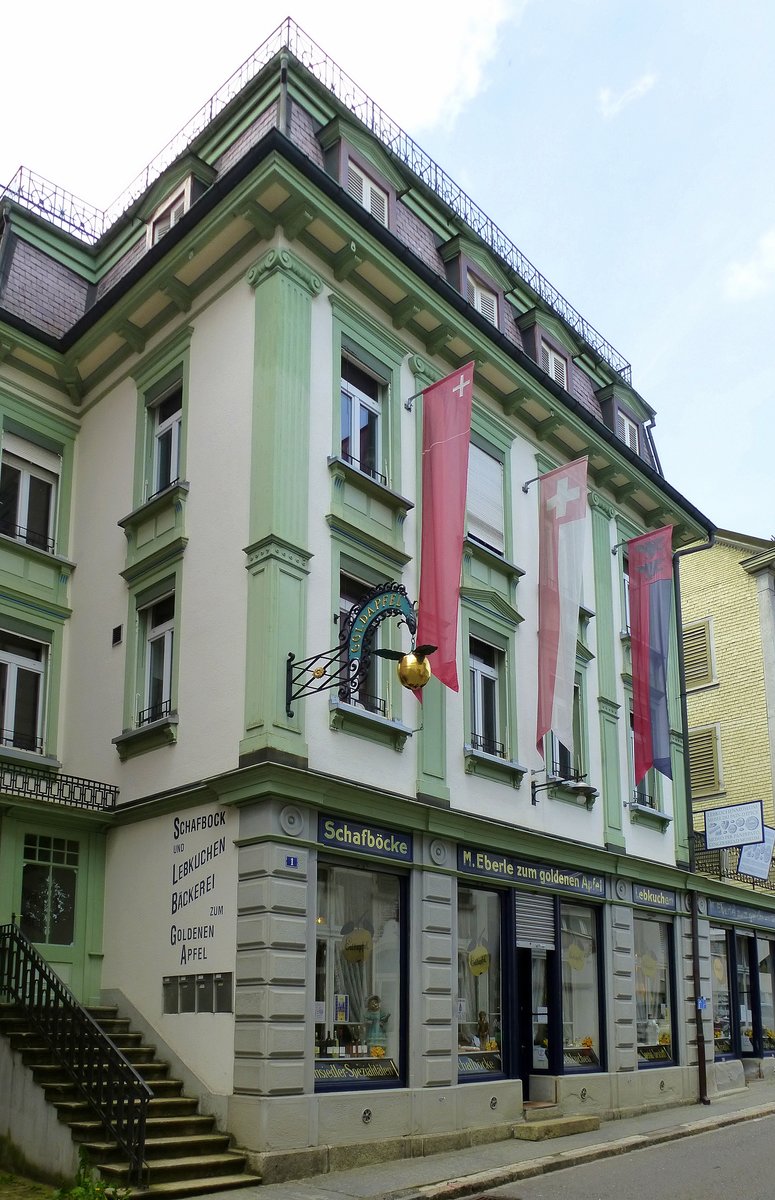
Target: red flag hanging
{"type": "Point", "coordinates": [650, 561]}
{"type": "Point", "coordinates": [562, 506]}
{"type": "Point", "coordinates": [446, 431]}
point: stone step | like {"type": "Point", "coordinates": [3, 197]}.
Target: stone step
{"type": "Point", "coordinates": [192, 1187]}
{"type": "Point", "coordinates": [174, 1170]}
{"type": "Point", "coordinates": [165, 1106]}
{"type": "Point", "coordinates": [155, 1127]}
{"type": "Point", "coordinates": [187, 1146]}
{"type": "Point", "coordinates": [554, 1127]}
{"type": "Point", "coordinates": [540, 1110]}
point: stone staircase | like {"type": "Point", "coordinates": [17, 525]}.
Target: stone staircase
{"type": "Point", "coordinates": [187, 1156]}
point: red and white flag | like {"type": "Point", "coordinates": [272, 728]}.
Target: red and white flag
{"type": "Point", "coordinates": [562, 506]}
{"type": "Point", "coordinates": [446, 432]}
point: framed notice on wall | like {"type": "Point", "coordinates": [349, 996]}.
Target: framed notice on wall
{"type": "Point", "coordinates": [734, 825]}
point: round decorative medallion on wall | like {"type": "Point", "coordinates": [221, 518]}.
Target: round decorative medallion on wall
{"type": "Point", "coordinates": [291, 820]}
{"type": "Point", "coordinates": [620, 887]}
{"type": "Point", "coordinates": [702, 905]}
{"type": "Point", "coordinates": [438, 852]}
{"type": "Point", "coordinates": [686, 901]}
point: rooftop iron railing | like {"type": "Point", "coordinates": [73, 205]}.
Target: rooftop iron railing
{"type": "Point", "coordinates": [98, 1069]}
{"type": "Point", "coordinates": [88, 223]}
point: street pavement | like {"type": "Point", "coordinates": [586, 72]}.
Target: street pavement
{"type": "Point", "coordinates": [478, 1169]}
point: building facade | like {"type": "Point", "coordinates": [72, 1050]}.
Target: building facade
{"type": "Point", "coordinates": [344, 915]}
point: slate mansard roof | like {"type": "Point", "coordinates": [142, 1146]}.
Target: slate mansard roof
{"type": "Point", "coordinates": [66, 266]}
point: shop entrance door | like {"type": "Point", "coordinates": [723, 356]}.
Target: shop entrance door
{"type": "Point", "coordinates": [533, 1013]}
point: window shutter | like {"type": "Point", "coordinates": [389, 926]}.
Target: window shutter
{"type": "Point", "coordinates": [703, 761]}
{"type": "Point", "coordinates": [355, 183]}
{"type": "Point", "coordinates": [31, 453]}
{"type": "Point", "coordinates": [545, 357]}
{"type": "Point", "coordinates": [560, 371]}
{"type": "Point", "coordinates": [379, 206]}
{"type": "Point", "coordinates": [698, 662]}
{"type": "Point", "coordinates": [535, 920]}
{"type": "Point", "coordinates": [485, 498]}
{"type": "Point", "coordinates": [488, 305]}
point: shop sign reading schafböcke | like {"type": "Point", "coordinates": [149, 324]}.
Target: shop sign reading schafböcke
{"type": "Point", "coordinates": [493, 865]}
{"type": "Point", "coordinates": [342, 834]}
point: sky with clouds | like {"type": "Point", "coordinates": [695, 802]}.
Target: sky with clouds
{"type": "Point", "coordinates": [624, 145]}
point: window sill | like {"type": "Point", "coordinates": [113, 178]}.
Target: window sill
{"type": "Point", "coordinates": [642, 814]}
{"type": "Point", "coordinates": [148, 737]}
{"type": "Point", "coordinates": [349, 718]}
{"type": "Point", "coordinates": [172, 495]}
{"type": "Point", "coordinates": [35, 552]}
{"type": "Point", "coordinates": [491, 766]}
{"type": "Point", "coordinates": [474, 549]}
{"type": "Point", "coordinates": [339, 467]}
{"type": "Point", "coordinates": [29, 758]}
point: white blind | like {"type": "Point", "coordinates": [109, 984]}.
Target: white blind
{"type": "Point", "coordinates": [31, 453]}
{"type": "Point", "coordinates": [485, 498]}
{"type": "Point", "coordinates": [535, 920]}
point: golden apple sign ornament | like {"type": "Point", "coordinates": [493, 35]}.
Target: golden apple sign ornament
{"type": "Point", "coordinates": [414, 669]}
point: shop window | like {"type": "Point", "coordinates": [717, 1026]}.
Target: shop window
{"type": "Point", "coordinates": [166, 414]}
{"type": "Point", "coordinates": [486, 670]}
{"type": "Point", "coordinates": [766, 968]}
{"type": "Point", "coordinates": [479, 982]}
{"type": "Point", "coordinates": [721, 1000]}
{"type": "Point", "coordinates": [22, 691]}
{"type": "Point", "coordinates": [360, 413]}
{"type": "Point", "coordinates": [580, 988]}
{"type": "Point", "coordinates": [371, 692]}
{"type": "Point", "coordinates": [358, 977]}
{"type": "Point", "coordinates": [158, 623]}
{"type": "Point", "coordinates": [29, 475]}
{"type": "Point", "coordinates": [554, 364]}
{"type": "Point", "coordinates": [744, 997]}
{"type": "Point", "coordinates": [49, 878]}
{"type": "Point", "coordinates": [484, 499]}
{"type": "Point", "coordinates": [653, 991]}
{"type": "Point", "coordinates": [698, 654]}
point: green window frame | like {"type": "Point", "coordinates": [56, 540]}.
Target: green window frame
{"type": "Point", "coordinates": [50, 640]}
{"type": "Point", "coordinates": [162, 380]}
{"type": "Point", "coordinates": [44, 449]}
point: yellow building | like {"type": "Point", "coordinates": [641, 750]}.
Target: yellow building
{"type": "Point", "coordinates": [728, 614]}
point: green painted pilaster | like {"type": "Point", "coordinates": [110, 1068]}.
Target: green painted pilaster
{"type": "Point", "coordinates": [277, 556]}
{"type": "Point", "coordinates": [608, 706]}
{"type": "Point", "coordinates": [432, 757]}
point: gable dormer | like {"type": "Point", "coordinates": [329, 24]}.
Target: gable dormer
{"type": "Point", "coordinates": [362, 168]}
{"type": "Point", "coordinates": [477, 276]}
{"type": "Point", "coordinates": [173, 194]}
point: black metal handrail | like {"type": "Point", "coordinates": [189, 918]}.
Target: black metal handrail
{"type": "Point", "coordinates": [722, 864]}
{"type": "Point", "coordinates": [103, 1076]}
{"type": "Point", "coordinates": [18, 779]}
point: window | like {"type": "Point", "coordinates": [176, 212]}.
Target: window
{"type": "Point", "coordinates": [554, 364]}
{"type": "Point", "coordinates": [628, 430]}
{"type": "Point", "coordinates": [698, 655]}
{"type": "Point", "coordinates": [580, 987]}
{"type": "Point", "coordinates": [721, 1014]}
{"type": "Point", "coordinates": [645, 792]}
{"type": "Point", "coordinates": [28, 486]}
{"type": "Point", "coordinates": [704, 761]}
{"type": "Point", "coordinates": [22, 677]}
{"type": "Point", "coordinates": [653, 991]}
{"type": "Point", "coordinates": [167, 413]}
{"type": "Point", "coordinates": [361, 395]}
{"type": "Point", "coordinates": [358, 978]}
{"type": "Point", "coordinates": [370, 693]}
{"type": "Point", "coordinates": [158, 620]}
{"type": "Point", "coordinates": [168, 216]}
{"type": "Point", "coordinates": [766, 993]}
{"type": "Point", "coordinates": [367, 193]}
{"type": "Point", "coordinates": [564, 764]}
{"type": "Point", "coordinates": [478, 981]}
{"type": "Point", "coordinates": [484, 300]}
{"type": "Point", "coordinates": [49, 879]}
{"type": "Point", "coordinates": [626, 594]}
{"type": "Point", "coordinates": [486, 669]}
{"type": "Point", "coordinates": [484, 501]}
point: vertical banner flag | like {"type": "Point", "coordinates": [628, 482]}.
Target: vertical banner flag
{"type": "Point", "coordinates": [446, 432]}
{"type": "Point", "coordinates": [650, 560]}
{"type": "Point", "coordinates": [562, 509]}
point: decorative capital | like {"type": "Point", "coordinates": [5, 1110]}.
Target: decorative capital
{"type": "Point", "coordinates": [601, 506]}
{"type": "Point", "coordinates": [275, 549]}
{"type": "Point", "coordinates": [282, 260]}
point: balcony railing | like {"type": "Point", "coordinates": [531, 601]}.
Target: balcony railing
{"type": "Point", "coordinates": [90, 223]}
{"type": "Point", "coordinates": [487, 745]}
{"type": "Point", "coordinates": [722, 864]}
{"type": "Point", "coordinates": [156, 712]}
{"type": "Point", "coordinates": [35, 783]}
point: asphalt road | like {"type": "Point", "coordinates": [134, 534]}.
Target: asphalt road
{"type": "Point", "coordinates": [732, 1162]}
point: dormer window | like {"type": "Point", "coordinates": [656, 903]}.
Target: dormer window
{"type": "Point", "coordinates": [628, 430]}
{"type": "Point", "coordinates": [483, 299]}
{"type": "Point", "coordinates": [554, 364]}
{"type": "Point", "coordinates": [168, 217]}
{"type": "Point", "coordinates": [367, 193]}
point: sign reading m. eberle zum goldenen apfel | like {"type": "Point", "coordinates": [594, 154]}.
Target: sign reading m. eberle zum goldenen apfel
{"type": "Point", "coordinates": [199, 880]}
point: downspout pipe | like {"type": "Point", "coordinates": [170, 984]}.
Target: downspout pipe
{"type": "Point", "coordinates": [702, 1070]}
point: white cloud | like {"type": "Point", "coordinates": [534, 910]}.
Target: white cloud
{"type": "Point", "coordinates": [752, 277]}
{"type": "Point", "coordinates": [610, 105]}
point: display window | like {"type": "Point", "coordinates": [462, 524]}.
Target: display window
{"type": "Point", "coordinates": [358, 977]}
{"type": "Point", "coordinates": [479, 983]}
{"type": "Point", "coordinates": [745, 994]}
{"type": "Point", "coordinates": [654, 990]}
{"type": "Point", "coordinates": [766, 973]}
{"type": "Point", "coordinates": [721, 1010]}
{"type": "Point", "coordinates": [581, 1011]}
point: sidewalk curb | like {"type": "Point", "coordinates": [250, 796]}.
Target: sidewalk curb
{"type": "Point", "coordinates": [498, 1176]}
